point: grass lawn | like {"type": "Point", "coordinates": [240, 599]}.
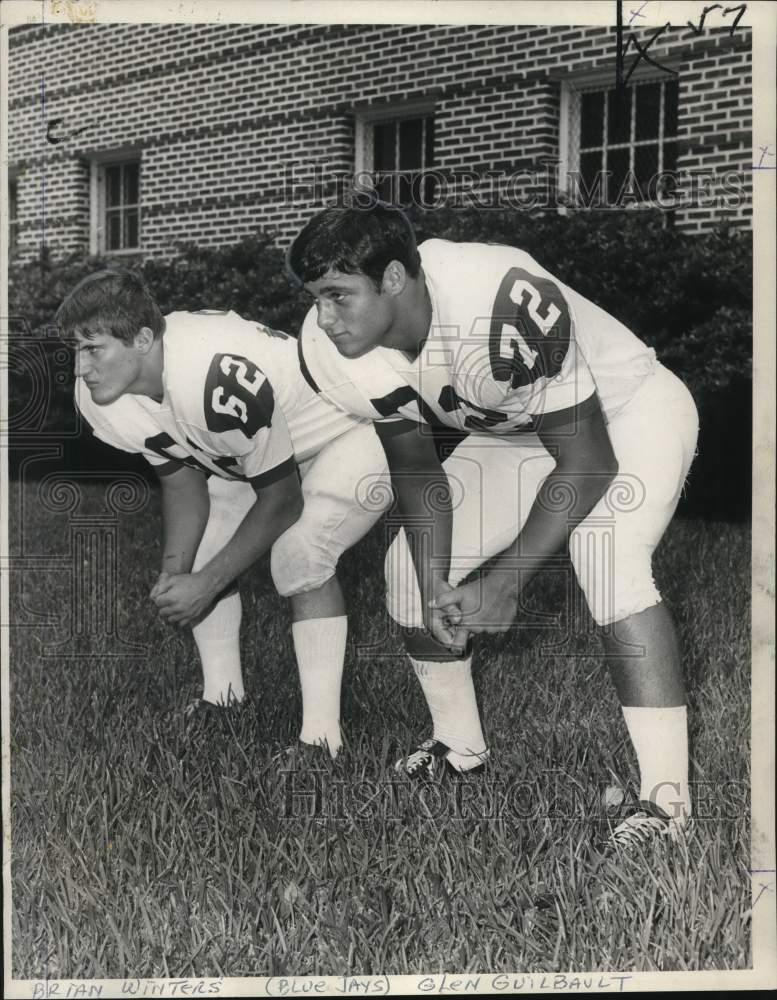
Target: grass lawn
{"type": "Point", "coordinates": [145, 848]}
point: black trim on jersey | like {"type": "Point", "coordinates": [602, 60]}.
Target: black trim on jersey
{"type": "Point", "coordinates": [167, 468]}
{"type": "Point", "coordinates": [403, 395]}
{"type": "Point", "coordinates": [304, 368]}
{"type": "Point", "coordinates": [224, 463]}
{"type": "Point", "coordinates": [567, 417]}
{"type": "Point", "coordinates": [273, 475]}
{"type": "Point", "coordinates": [393, 428]}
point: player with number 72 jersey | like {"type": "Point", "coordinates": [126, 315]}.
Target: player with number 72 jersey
{"type": "Point", "coordinates": [508, 344]}
{"type": "Point", "coordinates": [579, 440]}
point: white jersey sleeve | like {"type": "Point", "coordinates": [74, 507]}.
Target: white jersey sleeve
{"type": "Point", "coordinates": [363, 387]}
{"type": "Point", "coordinates": [124, 424]}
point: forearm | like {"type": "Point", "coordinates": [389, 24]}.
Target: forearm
{"type": "Point", "coordinates": [565, 499]}
{"type": "Point", "coordinates": [184, 517]}
{"type": "Point", "coordinates": [254, 537]}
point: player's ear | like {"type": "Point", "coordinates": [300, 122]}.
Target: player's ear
{"type": "Point", "coordinates": [144, 339]}
{"type": "Point", "coordinates": [394, 278]}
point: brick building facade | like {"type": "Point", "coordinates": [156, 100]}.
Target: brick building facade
{"type": "Point", "coordinates": [130, 138]}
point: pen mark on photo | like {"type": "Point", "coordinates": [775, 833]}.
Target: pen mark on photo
{"type": "Point", "coordinates": [719, 6]}
{"type": "Point", "coordinates": [638, 13]}
{"type": "Point", "coordinates": [765, 151]}
{"type": "Point", "coordinates": [54, 137]}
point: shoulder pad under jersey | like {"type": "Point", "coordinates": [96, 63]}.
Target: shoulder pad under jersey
{"type": "Point", "coordinates": [350, 384]}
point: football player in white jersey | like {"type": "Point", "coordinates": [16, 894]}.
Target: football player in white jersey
{"type": "Point", "coordinates": [250, 459]}
{"type": "Point", "coordinates": [578, 437]}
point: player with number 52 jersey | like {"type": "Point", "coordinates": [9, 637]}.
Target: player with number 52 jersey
{"type": "Point", "coordinates": [234, 403]}
{"type": "Point", "coordinates": [250, 460]}
{"type": "Point", "coordinates": [578, 438]}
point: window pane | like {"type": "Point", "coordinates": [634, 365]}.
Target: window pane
{"type": "Point", "coordinates": [112, 186]}
{"type": "Point", "coordinates": [590, 165]}
{"type": "Point", "coordinates": [670, 156]}
{"type": "Point", "coordinates": [113, 231]}
{"type": "Point", "coordinates": [425, 189]}
{"type": "Point", "coordinates": [671, 90]}
{"type": "Point", "coordinates": [591, 119]}
{"type": "Point", "coordinates": [618, 165]}
{"type": "Point", "coordinates": [131, 183]}
{"type": "Point", "coordinates": [645, 165]}
{"type": "Point", "coordinates": [131, 229]}
{"type": "Point", "coordinates": [405, 188]}
{"type": "Point", "coordinates": [619, 115]}
{"type": "Point", "coordinates": [385, 185]}
{"type": "Point", "coordinates": [384, 145]}
{"type": "Point", "coordinates": [411, 144]}
{"type": "Point", "coordinates": [648, 110]}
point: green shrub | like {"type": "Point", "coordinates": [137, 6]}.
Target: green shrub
{"type": "Point", "coordinates": [687, 296]}
{"type": "Point", "coordinates": [690, 297]}
{"type": "Point", "coordinates": [247, 277]}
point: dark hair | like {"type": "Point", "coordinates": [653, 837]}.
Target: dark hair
{"type": "Point", "coordinates": [114, 302]}
{"type": "Point", "coordinates": [354, 241]}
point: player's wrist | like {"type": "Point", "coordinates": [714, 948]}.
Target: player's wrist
{"type": "Point", "coordinates": [438, 580]}
{"type": "Point", "coordinates": [211, 581]}
{"type": "Point", "coordinates": [503, 583]}
{"type": "Point", "coordinates": [175, 562]}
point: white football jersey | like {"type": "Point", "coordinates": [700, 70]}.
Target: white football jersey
{"type": "Point", "coordinates": [235, 403]}
{"type": "Point", "coordinates": [508, 345]}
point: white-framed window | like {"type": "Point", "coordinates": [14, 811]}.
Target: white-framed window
{"type": "Point", "coordinates": [395, 147]}
{"type": "Point", "coordinates": [618, 140]}
{"type": "Point", "coordinates": [115, 204]}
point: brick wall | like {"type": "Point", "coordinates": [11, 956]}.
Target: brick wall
{"type": "Point", "coordinates": [220, 114]}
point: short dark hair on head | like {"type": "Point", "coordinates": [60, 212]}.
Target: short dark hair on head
{"type": "Point", "coordinates": [355, 240]}
{"type": "Point", "coordinates": [114, 302]}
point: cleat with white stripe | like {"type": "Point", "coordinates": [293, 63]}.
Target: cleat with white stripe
{"type": "Point", "coordinates": [646, 826]}
{"type": "Point", "coordinates": [432, 757]}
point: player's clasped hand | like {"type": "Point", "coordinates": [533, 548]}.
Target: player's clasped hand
{"type": "Point", "coordinates": [443, 627]}
{"type": "Point", "coordinates": [479, 606]}
{"type": "Point", "coordinates": [181, 597]}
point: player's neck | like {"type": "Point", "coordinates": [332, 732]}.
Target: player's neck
{"type": "Point", "coordinates": [411, 328]}
{"type": "Point", "coordinates": [150, 382]}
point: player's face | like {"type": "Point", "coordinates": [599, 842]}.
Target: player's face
{"type": "Point", "coordinates": [352, 312]}
{"type": "Point", "coordinates": [108, 366]}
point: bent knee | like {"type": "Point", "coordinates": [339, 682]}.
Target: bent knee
{"type": "Point", "coordinates": [298, 563]}
{"type": "Point", "coordinates": [616, 578]}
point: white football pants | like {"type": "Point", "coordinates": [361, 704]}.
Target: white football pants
{"type": "Point", "coordinates": [494, 481]}
{"type": "Point", "coordinates": [346, 487]}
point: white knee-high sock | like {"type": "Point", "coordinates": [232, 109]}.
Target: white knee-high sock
{"type": "Point", "coordinates": [218, 642]}
{"type": "Point", "coordinates": [450, 695]}
{"type": "Point", "coordinates": [660, 740]}
{"type": "Point", "coordinates": [320, 647]}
